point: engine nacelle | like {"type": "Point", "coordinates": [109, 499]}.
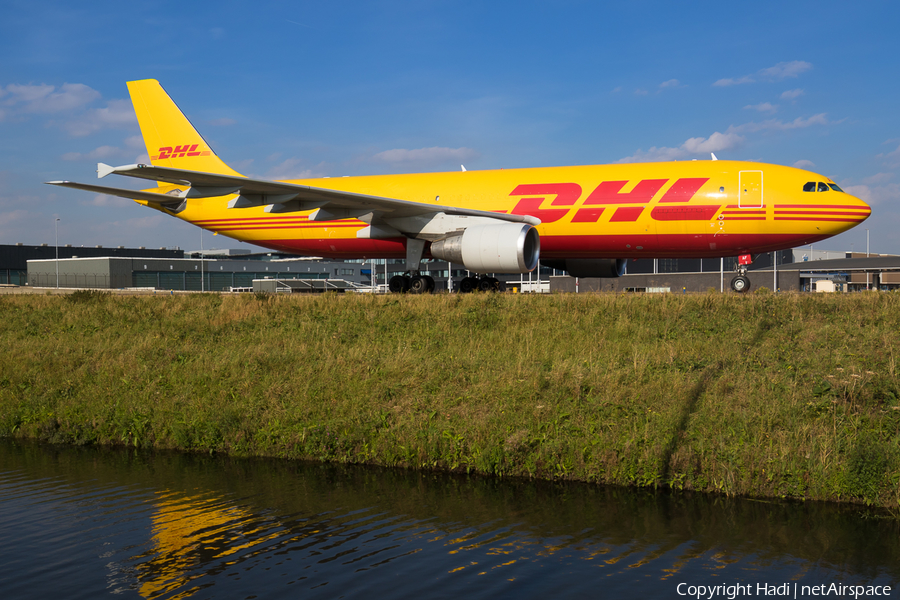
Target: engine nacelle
{"type": "Point", "coordinates": [589, 267]}
{"type": "Point", "coordinates": [494, 248]}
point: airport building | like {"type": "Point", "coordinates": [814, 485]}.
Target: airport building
{"type": "Point", "coordinates": [222, 270]}
{"type": "Point", "coordinates": [793, 270]}
{"type": "Point", "coordinates": [183, 274]}
{"type": "Point", "coordinates": [14, 257]}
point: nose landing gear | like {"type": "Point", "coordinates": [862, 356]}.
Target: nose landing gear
{"type": "Point", "coordinates": [741, 283]}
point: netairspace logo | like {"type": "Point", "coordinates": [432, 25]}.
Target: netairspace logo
{"type": "Point", "coordinates": [787, 590]}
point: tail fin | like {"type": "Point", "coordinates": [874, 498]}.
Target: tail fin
{"type": "Point", "coordinates": [170, 138]}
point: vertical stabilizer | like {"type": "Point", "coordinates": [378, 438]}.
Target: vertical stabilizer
{"type": "Point", "coordinates": [170, 138]}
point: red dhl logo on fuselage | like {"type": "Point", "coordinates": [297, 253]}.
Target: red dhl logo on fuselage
{"type": "Point", "coordinates": [179, 152]}
{"type": "Point", "coordinates": [609, 193]}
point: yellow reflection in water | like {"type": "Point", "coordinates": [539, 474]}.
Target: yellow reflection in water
{"type": "Point", "coordinates": [190, 531]}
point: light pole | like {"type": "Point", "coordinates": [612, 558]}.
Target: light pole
{"type": "Point", "coordinates": [57, 252]}
{"type": "Point", "coordinates": [201, 260]}
{"type": "Point", "coordinates": [867, 256]}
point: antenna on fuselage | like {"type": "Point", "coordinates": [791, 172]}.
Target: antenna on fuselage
{"type": "Point", "coordinates": [713, 154]}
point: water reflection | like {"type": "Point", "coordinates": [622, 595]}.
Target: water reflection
{"type": "Point", "coordinates": [173, 526]}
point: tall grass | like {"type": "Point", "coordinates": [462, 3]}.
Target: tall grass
{"type": "Point", "coordinates": [767, 395]}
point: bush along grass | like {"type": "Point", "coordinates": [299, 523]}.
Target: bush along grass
{"type": "Point", "coordinates": [789, 396]}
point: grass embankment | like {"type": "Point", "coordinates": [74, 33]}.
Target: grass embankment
{"type": "Point", "coordinates": [775, 396]}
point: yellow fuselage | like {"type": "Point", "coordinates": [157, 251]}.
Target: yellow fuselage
{"type": "Point", "coordinates": [646, 210]}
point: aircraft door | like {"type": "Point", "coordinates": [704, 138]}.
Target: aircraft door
{"type": "Point", "coordinates": [750, 189]}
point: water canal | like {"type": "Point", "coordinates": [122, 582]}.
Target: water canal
{"type": "Point", "coordinates": [89, 522]}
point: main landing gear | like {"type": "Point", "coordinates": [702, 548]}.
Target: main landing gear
{"type": "Point", "coordinates": [482, 284]}
{"type": "Point", "coordinates": [423, 284]}
{"type": "Point", "coordinates": [414, 283]}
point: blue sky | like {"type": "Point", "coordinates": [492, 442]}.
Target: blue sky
{"type": "Point", "coordinates": [298, 89]}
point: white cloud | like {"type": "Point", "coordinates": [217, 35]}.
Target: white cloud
{"type": "Point", "coordinates": [135, 142]}
{"type": "Point", "coordinates": [292, 168]}
{"type": "Point", "coordinates": [792, 94]}
{"type": "Point", "coordinates": [223, 122]}
{"type": "Point", "coordinates": [12, 224]}
{"type": "Point", "coordinates": [71, 100]}
{"type": "Point", "coordinates": [891, 158]}
{"type": "Point", "coordinates": [640, 92]}
{"type": "Point", "coordinates": [739, 81]}
{"type": "Point", "coordinates": [116, 114]}
{"type": "Point", "coordinates": [717, 142]}
{"type": "Point", "coordinates": [778, 125]}
{"type": "Point", "coordinates": [804, 164]}
{"type": "Point", "coordinates": [45, 99]}
{"type": "Point", "coordinates": [782, 70]}
{"type": "Point", "coordinates": [426, 156]}
{"type": "Point", "coordinates": [672, 83]}
{"type": "Point", "coordinates": [101, 153]}
{"type": "Point", "coordinates": [878, 178]}
{"type": "Point", "coordinates": [763, 107]}
{"type": "Point", "coordinates": [874, 195]}
{"type": "Point", "coordinates": [732, 138]}
{"type": "Point", "coordinates": [134, 226]}
{"type": "Point", "coordinates": [108, 201]}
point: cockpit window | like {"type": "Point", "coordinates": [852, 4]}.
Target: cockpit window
{"type": "Point", "coordinates": [835, 187]}
{"type": "Point", "coordinates": [809, 186]}
{"type": "Point", "coordinates": [823, 187]}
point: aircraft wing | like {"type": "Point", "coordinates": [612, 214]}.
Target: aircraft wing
{"type": "Point", "coordinates": [279, 196]}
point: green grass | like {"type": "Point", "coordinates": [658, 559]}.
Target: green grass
{"type": "Point", "coordinates": [792, 396]}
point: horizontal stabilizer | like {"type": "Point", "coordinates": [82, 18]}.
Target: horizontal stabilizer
{"type": "Point", "coordinates": [123, 193]}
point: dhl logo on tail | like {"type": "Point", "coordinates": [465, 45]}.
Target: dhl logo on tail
{"type": "Point", "coordinates": [179, 152]}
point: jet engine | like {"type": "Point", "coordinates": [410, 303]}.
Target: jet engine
{"type": "Point", "coordinates": [589, 267]}
{"type": "Point", "coordinates": [493, 248]}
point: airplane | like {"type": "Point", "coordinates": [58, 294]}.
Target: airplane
{"type": "Point", "coordinates": [585, 220]}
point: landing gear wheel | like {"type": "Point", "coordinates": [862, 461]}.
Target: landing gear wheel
{"type": "Point", "coordinates": [486, 284]}
{"type": "Point", "coordinates": [468, 284]}
{"type": "Point", "coordinates": [419, 285]}
{"type": "Point", "coordinates": [501, 286]}
{"type": "Point", "coordinates": [740, 284]}
{"type": "Point", "coordinates": [430, 281]}
{"type": "Point", "coordinates": [399, 284]}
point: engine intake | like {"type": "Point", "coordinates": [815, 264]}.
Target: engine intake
{"type": "Point", "coordinates": [500, 248]}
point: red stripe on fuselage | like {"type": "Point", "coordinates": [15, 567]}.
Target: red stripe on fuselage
{"type": "Point", "coordinates": [854, 206]}
{"type": "Point", "coordinates": [684, 213]}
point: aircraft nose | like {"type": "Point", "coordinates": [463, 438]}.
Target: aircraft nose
{"type": "Point", "coordinates": [847, 211]}
{"type": "Point", "coordinates": [866, 207]}
{"type": "Point", "coordinates": [861, 210]}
